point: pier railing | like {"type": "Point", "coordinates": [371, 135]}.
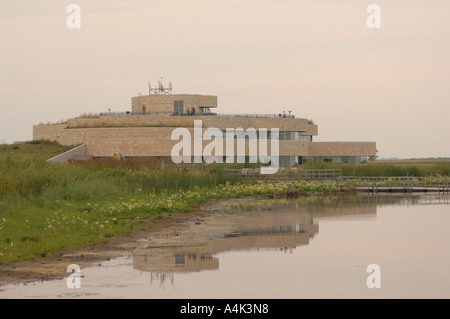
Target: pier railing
{"type": "Point", "coordinates": [396, 183]}
{"type": "Point", "coordinates": [360, 183]}
{"type": "Point", "coordinates": [287, 174]}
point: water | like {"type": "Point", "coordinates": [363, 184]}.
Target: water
{"type": "Point", "coordinates": [311, 247]}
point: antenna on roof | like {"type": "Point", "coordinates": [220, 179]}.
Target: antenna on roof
{"type": "Point", "coordinates": [160, 89]}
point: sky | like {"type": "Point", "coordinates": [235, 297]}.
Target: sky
{"type": "Point", "coordinates": [316, 58]}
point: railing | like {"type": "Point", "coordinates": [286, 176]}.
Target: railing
{"type": "Point", "coordinates": [258, 115]}
{"type": "Point", "coordinates": [364, 183]}
{"type": "Point", "coordinates": [128, 113]}
{"type": "Point", "coordinates": [115, 113]}
{"type": "Point", "coordinates": [287, 174]}
{"type": "Point", "coordinates": [195, 114]}
{"type": "Point", "coordinates": [397, 183]}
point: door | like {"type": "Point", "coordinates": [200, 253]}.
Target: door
{"type": "Point", "coordinates": [178, 107]}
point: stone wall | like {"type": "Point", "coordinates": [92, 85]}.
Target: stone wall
{"type": "Point", "coordinates": [64, 157]}
{"type": "Point", "coordinates": [138, 121]}
{"type": "Point", "coordinates": [165, 103]}
{"type": "Point", "coordinates": [283, 124]}
{"type": "Point", "coordinates": [144, 135]}
{"type": "Point", "coordinates": [52, 132]}
{"type": "Point", "coordinates": [220, 122]}
{"type": "Point", "coordinates": [342, 149]}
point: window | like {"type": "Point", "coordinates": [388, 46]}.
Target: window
{"type": "Point", "coordinates": [179, 260]}
{"type": "Point", "coordinates": [178, 107]}
{"type": "Point", "coordinates": [305, 138]}
{"type": "Point", "coordinates": [286, 136]}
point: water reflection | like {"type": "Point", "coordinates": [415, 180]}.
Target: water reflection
{"type": "Point", "coordinates": [196, 247]}
{"type": "Point", "coordinates": [411, 244]}
{"type": "Point", "coordinates": [280, 225]}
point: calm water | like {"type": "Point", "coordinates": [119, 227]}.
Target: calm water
{"type": "Point", "coordinates": [315, 247]}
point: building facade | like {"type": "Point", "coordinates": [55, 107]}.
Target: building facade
{"type": "Point", "coordinates": [146, 131]}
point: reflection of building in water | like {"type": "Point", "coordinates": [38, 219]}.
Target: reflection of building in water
{"type": "Point", "coordinates": [278, 225]}
{"type": "Point", "coordinates": [319, 206]}
{"type": "Point", "coordinates": [264, 225]}
{"type": "Point", "coordinates": [161, 277]}
{"type": "Point", "coordinates": [195, 249]}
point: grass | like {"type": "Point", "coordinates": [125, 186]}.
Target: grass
{"type": "Point", "coordinates": [388, 169]}
{"type": "Point", "coordinates": [46, 207]}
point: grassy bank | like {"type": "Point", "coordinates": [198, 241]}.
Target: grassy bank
{"type": "Point", "coordinates": [46, 207]}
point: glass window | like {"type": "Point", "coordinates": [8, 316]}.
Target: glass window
{"type": "Point", "coordinates": [178, 107]}
{"type": "Point", "coordinates": [179, 260]}
{"type": "Point", "coordinates": [305, 138]}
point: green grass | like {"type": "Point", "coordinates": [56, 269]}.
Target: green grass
{"type": "Point", "coordinates": [47, 207]}
{"type": "Point", "coordinates": [33, 150]}
{"type": "Point", "coordinates": [418, 169]}
{"type": "Point", "coordinates": [25, 174]}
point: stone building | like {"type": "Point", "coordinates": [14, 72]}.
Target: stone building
{"type": "Point", "coordinates": [146, 131]}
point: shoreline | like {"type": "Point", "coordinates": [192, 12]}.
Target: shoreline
{"type": "Point", "coordinates": [54, 267]}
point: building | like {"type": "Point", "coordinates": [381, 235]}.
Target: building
{"type": "Point", "coordinates": [145, 132]}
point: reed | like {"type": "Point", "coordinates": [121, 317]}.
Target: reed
{"type": "Point", "coordinates": [47, 207]}
{"type": "Point", "coordinates": [388, 169]}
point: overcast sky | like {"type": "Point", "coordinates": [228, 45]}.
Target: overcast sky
{"type": "Point", "coordinates": [316, 58]}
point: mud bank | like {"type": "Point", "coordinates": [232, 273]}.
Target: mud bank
{"type": "Point", "coordinates": [55, 266]}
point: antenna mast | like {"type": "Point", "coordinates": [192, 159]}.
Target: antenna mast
{"type": "Point", "coordinates": [160, 89]}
